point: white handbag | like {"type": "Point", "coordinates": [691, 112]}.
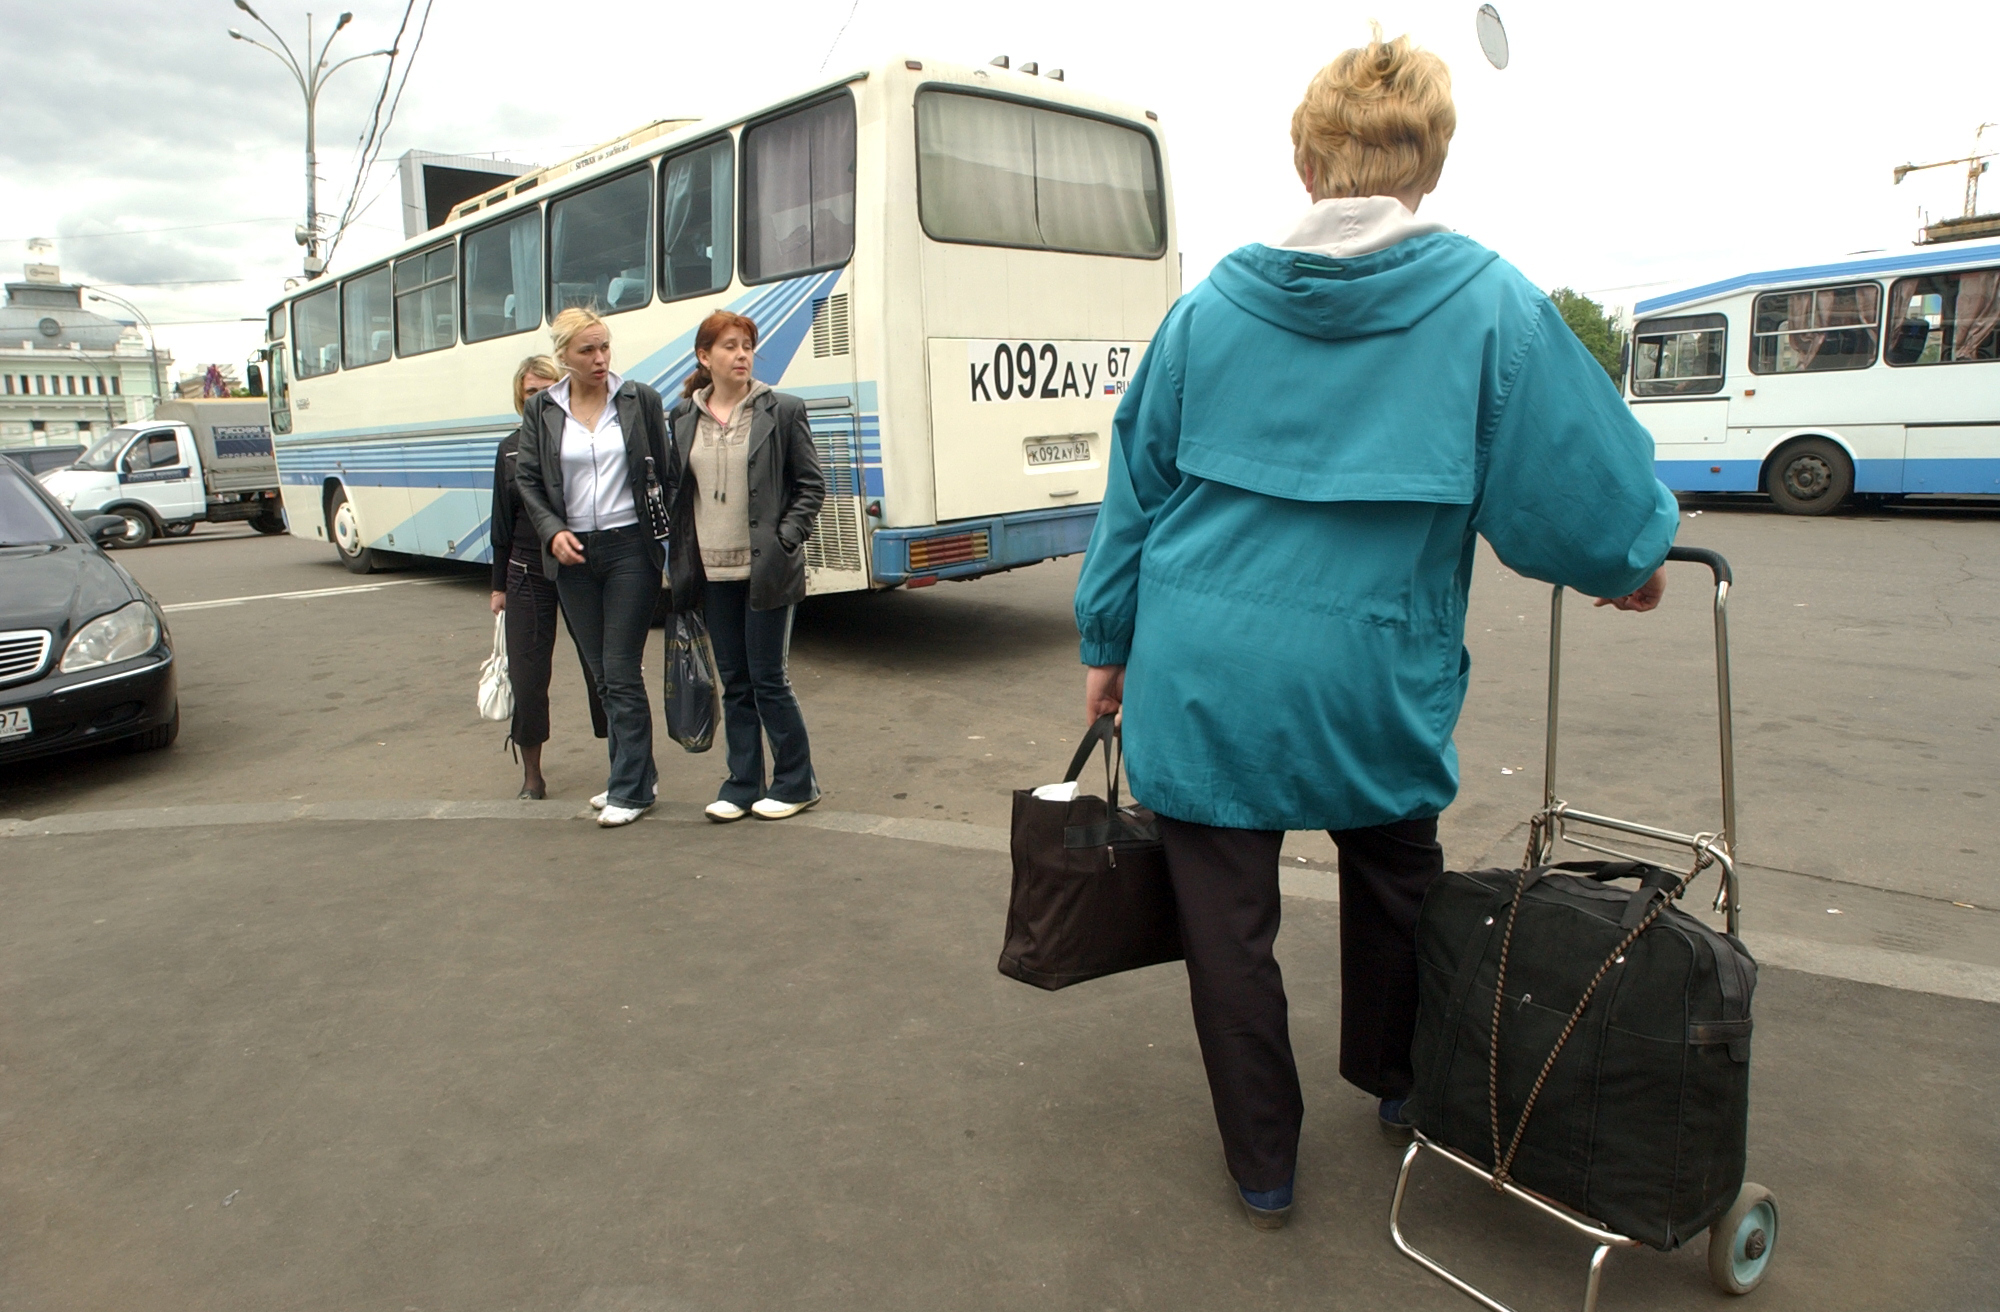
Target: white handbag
{"type": "Point", "coordinates": [496, 691]}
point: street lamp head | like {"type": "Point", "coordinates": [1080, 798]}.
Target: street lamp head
{"type": "Point", "coordinates": [244, 5]}
{"type": "Point", "coordinates": [235, 35]}
{"type": "Point", "coordinates": [345, 18]}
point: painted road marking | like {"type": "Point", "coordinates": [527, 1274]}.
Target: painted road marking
{"type": "Point", "coordinates": [299, 596]}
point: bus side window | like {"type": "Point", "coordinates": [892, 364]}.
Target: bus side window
{"type": "Point", "coordinates": [695, 223]}
{"type": "Point", "coordinates": [599, 254]}
{"type": "Point", "coordinates": [798, 191]}
{"type": "Point", "coordinates": [426, 295]}
{"type": "Point", "coordinates": [1680, 356]}
{"type": "Point", "coordinates": [367, 331]}
{"type": "Point", "coordinates": [1815, 329]}
{"type": "Point", "coordinates": [502, 278]}
{"type": "Point", "coordinates": [316, 334]}
{"type": "Point", "coordinates": [281, 391]}
{"type": "Point", "coordinates": [1945, 318]}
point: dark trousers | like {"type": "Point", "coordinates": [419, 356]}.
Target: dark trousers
{"type": "Point", "coordinates": [531, 649]}
{"type": "Point", "coordinates": [751, 649]}
{"type": "Point", "coordinates": [1226, 883]}
{"type": "Point", "coordinates": [609, 602]}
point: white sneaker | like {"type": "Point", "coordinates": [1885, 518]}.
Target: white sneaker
{"type": "Point", "coordinates": [723, 812]}
{"type": "Point", "coordinates": [613, 816]}
{"type": "Point", "coordinates": [770, 808]}
{"type": "Point", "coordinates": [599, 802]}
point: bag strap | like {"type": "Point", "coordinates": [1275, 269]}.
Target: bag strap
{"type": "Point", "coordinates": [1105, 731]}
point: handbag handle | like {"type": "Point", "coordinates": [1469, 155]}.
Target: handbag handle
{"type": "Point", "coordinates": [1105, 731]}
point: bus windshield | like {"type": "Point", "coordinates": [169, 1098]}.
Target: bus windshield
{"type": "Point", "coordinates": [103, 454]}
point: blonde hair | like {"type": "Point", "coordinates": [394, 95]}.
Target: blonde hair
{"type": "Point", "coordinates": [541, 366]}
{"type": "Point", "coordinates": [565, 326]}
{"type": "Point", "coordinates": [1375, 121]}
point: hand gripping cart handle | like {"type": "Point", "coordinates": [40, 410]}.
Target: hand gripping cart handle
{"type": "Point", "coordinates": [1740, 1243]}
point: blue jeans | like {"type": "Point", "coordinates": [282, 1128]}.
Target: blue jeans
{"type": "Point", "coordinates": [751, 647]}
{"type": "Point", "coordinates": [608, 601]}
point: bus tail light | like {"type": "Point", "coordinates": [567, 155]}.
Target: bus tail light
{"type": "Point", "coordinates": [950, 549]}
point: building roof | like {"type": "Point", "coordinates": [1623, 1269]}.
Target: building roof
{"type": "Point", "coordinates": [1929, 257]}
{"type": "Point", "coordinates": [51, 315]}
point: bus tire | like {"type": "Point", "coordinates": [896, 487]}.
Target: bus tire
{"type": "Point", "coordinates": [269, 521]}
{"type": "Point", "coordinates": [139, 527]}
{"type": "Point", "coordinates": [1810, 476]}
{"type": "Point", "coordinates": [344, 529]}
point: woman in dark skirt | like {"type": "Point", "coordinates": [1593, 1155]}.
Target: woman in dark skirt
{"type": "Point", "coordinates": [527, 597]}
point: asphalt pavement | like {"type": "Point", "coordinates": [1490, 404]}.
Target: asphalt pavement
{"type": "Point", "coordinates": [304, 1012]}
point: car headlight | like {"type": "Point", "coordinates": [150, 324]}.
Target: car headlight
{"type": "Point", "coordinates": [126, 632]}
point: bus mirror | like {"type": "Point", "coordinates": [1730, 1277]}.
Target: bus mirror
{"type": "Point", "coordinates": [254, 374]}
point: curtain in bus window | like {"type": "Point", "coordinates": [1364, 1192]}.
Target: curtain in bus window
{"type": "Point", "coordinates": [694, 221]}
{"type": "Point", "coordinates": [799, 190]}
{"type": "Point", "coordinates": [1095, 186]}
{"type": "Point", "coordinates": [524, 257]}
{"type": "Point", "coordinates": [1976, 314]}
{"type": "Point", "coordinates": [1823, 328]}
{"type": "Point", "coordinates": [316, 333]}
{"type": "Point", "coordinates": [597, 246]}
{"type": "Point", "coordinates": [425, 296]}
{"type": "Point", "coordinates": [976, 169]}
{"type": "Point", "coordinates": [368, 331]}
{"type": "Point", "coordinates": [503, 278]}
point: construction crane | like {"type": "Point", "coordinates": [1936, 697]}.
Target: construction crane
{"type": "Point", "coordinates": [1971, 223]}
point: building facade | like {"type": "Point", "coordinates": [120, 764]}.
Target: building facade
{"type": "Point", "coordinates": [68, 375]}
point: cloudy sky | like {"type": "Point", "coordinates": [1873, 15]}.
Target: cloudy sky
{"type": "Point", "coordinates": [1627, 148]}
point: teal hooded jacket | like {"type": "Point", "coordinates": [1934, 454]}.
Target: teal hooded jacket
{"type": "Point", "coordinates": [1298, 471]}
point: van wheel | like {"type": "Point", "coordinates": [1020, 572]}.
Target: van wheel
{"type": "Point", "coordinates": [1811, 476]}
{"type": "Point", "coordinates": [138, 528]}
{"type": "Point", "coordinates": [344, 527]}
{"type": "Point", "coordinates": [268, 521]}
{"type": "Point", "coordinates": [180, 528]}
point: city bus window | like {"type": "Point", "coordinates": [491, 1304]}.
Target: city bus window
{"type": "Point", "coordinates": [1678, 357]}
{"type": "Point", "coordinates": [1945, 318]}
{"type": "Point", "coordinates": [368, 332]}
{"type": "Point", "coordinates": [597, 246]}
{"type": "Point", "coordinates": [281, 393]}
{"type": "Point", "coordinates": [996, 172]}
{"type": "Point", "coordinates": [1816, 329]}
{"type": "Point", "coordinates": [503, 277]}
{"type": "Point", "coordinates": [426, 301]}
{"type": "Point", "coordinates": [275, 331]}
{"type": "Point", "coordinates": [695, 191]}
{"type": "Point", "coordinates": [798, 191]}
{"type": "Point", "coordinates": [316, 334]}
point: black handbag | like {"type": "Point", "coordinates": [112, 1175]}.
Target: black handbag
{"type": "Point", "coordinates": [693, 692]}
{"type": "Point", "coordinates": [1591, 1042]}
{"type": "Point", "coordinates": [658, 522]}
{"type": "Point", "coordinates": [1091, 895]}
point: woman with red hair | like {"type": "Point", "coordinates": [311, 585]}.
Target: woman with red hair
{"type": "Point", "coordinates": [749, 488]}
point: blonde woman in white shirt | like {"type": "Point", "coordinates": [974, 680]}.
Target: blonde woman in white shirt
{"type": "Point", "coordinates": [581, 472]}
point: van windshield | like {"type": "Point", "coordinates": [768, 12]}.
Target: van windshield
{"type": "Point", "coordinates": [103, 455]}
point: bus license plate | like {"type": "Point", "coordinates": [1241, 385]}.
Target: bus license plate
{"type": "Point", "coordinates": [14, 722]}
{"type": "Point", "coordinates": [1046, 451]}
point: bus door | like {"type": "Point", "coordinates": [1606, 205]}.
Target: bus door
{"type": "Point", "coordinates": [1677, 393]}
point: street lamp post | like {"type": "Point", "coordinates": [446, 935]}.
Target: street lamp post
{"type": "Point", "coordinates": [152, 345]}
{"type": "Point", "coordinates": [311, 77]}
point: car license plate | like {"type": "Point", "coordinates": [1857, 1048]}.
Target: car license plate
{"type": "Point", "coordinates": [14, 722]}
{"type": "Point", "coordinates": [1045, 451]}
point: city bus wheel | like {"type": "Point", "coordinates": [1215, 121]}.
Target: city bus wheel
{"type": "Point", "coordinates": [268, 521]}
{"type": "Point", "coordinates": [138, 528]}
{"type": "Point", "coordinates": [1811, 476]}
{"type": "Point", "coordinates": [345, 529]}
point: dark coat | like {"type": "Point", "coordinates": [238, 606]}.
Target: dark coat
{"type": "Point", "coordinates": [538, 463]}
{"type": "Point", "coordinates": [507, 520]}
{"type": "Point", "coordinates": [786, 491]}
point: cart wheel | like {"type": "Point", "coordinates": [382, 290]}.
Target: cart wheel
{"type": "Point", "coordinates": [1740, 1244]}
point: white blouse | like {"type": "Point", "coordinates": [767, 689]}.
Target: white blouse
{"type": "Point", "coordinates": [597, 486]}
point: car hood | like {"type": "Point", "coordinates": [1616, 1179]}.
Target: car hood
{"type": "Point", "coordinates": [59, 587]}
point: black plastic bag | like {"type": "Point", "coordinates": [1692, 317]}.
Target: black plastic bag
{"type": "Point", "coordinates": [694, 689]}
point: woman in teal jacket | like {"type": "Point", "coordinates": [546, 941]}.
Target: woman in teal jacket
{"type": "Point", "coordinates": [1275, 592]}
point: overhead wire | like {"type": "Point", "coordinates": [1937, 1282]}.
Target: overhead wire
{"type": "Point", "coordinates": [379, 121]}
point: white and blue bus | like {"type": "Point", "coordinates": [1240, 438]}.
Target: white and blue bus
{"type": "Point", "coordinates": [956, 267]}
{"type": "Point", "coordinates": [1876, 377]}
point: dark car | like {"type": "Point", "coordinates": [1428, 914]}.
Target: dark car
{"type": "Point", "coordinates": [41, 459]}
{"type": "Point", "coordinates": [85, 656]}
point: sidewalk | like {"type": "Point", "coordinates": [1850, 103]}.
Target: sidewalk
{"type": "Point", "coordinates": [352, 1063]}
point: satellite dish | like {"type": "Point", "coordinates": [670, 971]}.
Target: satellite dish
{"type": "Point", "coordinates": [1492, 35]}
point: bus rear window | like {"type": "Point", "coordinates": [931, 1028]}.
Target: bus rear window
{"type": "Point", "coordinates": [316, 333]}
{"type": "Point", "coordinates": [798, 191]}
{"type": "Point", "coordinates": [1816, 329]}
{"type": "Point", "coordinates": [1945, 318]}
{"type": "Point", "coordinates": [503, 277]}
{"type": "Point", "coordinates": [598, 255]}
{"type": "Point", "coordinates": [1001, 173]}
{"type": "Point", "coordinates": [368, 330]}
{"type": "Point", "coordinates": [1680, 356]}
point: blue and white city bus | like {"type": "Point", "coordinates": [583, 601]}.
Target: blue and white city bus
{"type": "Point", "coordinates": [1878, 377]}
{"type": "Point", "coordinates": [956, 267]}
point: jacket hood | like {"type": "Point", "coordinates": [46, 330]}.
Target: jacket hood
{"type": "Point", "coordinates": [1332, 298]}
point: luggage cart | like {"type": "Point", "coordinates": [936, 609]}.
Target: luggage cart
{"type": "Point", "coordinates": [1740, 1242]}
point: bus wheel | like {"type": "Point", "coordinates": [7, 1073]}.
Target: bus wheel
{"type": "Point", "coordinates": [346, 532]}
{"type": "Point", "coordinates": [269, 521]}
{"type": "Point", "coordinates": [1811, 476]}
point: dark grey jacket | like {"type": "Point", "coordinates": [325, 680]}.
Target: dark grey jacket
{"type": "Point", "coordinates": [538, 472]}
{"type": "Point", "coordinates": [786, 490]}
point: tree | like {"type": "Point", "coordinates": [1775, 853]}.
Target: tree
{"type": "Point", "coordinates": [1586, 318]}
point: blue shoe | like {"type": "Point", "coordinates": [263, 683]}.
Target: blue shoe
{"type": "Point", "coordinates": [1267, 1208]}
{"type": "Point", "coordinates": [1395, 1118]}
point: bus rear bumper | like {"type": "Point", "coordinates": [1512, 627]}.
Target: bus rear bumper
{"type": "Point", "coordinates": [967, 548]}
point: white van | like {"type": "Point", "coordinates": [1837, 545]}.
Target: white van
{"type": "Point", "coordinates": [193, 461]}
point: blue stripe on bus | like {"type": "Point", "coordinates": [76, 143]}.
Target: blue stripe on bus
{"type": "Point", "coordinates": [1936, 258]}
{"type": "Point", "coordinates": [1961, 477]}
